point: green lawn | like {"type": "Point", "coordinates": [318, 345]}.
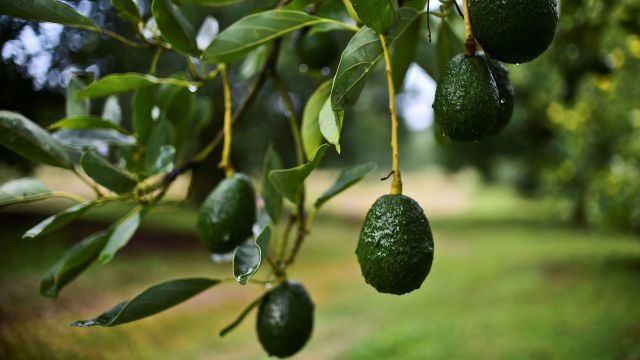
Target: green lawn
{"type": "Point", "coordinates": [506, 284]}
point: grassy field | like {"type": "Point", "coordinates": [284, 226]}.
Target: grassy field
{"type": "Point", "coordinates": [507, 283]}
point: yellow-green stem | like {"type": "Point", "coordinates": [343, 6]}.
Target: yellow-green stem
{"type": "Point", "coordinates": [225, 164]}
{"type": "Point", "coordinates": [154, 61]}
{"type": "Point", "coordinates": [351, 10]}
{"type": "Point", "coordinates": [396, 183]}
{"type": "Point", "coordinates": [469, 42]}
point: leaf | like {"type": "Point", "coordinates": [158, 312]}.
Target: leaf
{"type": "Point", "coordinates": [76, 260]}
{"type": "Point", "coordinates": [331, 124]}
{"type": "Point", "coordinates": [57, 221]}
{"type": "Point", "coordinates": [346, 179]}
{"type": "Point", "coordinates": [249, 257]}
{"type": "Point", "coordinates": [254, 30]}
{"type": "Point", "coordinates": [310, 131]}
{"type": "Point", "coordinates": [448, 45]}
{"type": "Point", "coordinates": [143, 100]}
{"type": "Point", "coordinates": [426, 55]}
{"type": "Point", "coordinates": [150, 302]}
{"type": "Point", "coordinates": [30, 141]}
{"type": "Point", "coordinates": [211, 2]}
{"type": "Point", "coordinates": [161, 135]}
{"type": "Point", "coordinates": [242, 315]}
{"type": "Point", "coordinates": [120, 234]}
{"type": "Point", "coordinates": [165, 161]}
{"type": "Point", "coordinates": [117, 83]}
{"type": "Point", "coordinates": [111, 110]}
{"type": "Point", "coordinates": [359, 58]}
{"type": "Point", "coordinates": [82, 139]}
{"type": "Point", "coordinates": [45, 11]}
{"type": "Point", "coordinates": [22, 190]}
{"type": "Point", "coordinates": [380, 15]}
{"type": "Point", "coordinates": [86, 122]}
{"type": "Point", "coordinates": [403, 52]}
{"type": "Point", "coordinates": [175, 28]}
{"type": "Point", "coordinates": [272, 198]}
{"type": "Point", "coordinates": [289, 182]}
{"type": "Point", "coordinates": [127, 9]}
{"type": "Point", "coordinates": [74, 105]}
{"type": "Point", "coordinates": [106, 174]}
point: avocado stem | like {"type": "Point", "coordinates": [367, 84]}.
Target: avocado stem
{"type": "Point", "coordinates": [469, 42]}
{"type": "Point", "coordinates": [225, 164]}
{"type": "Point", "coordinates": [396, 183]}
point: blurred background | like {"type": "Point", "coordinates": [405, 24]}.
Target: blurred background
{"type": "Point", "coordinates": [536, 229]}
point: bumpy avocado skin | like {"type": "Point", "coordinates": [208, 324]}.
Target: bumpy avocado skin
{"type": "Point", "coordinates": [514, 31]}
{"type": "Point", "coordinates": [395, 249]}
{"type": "Point", "coordinates": [317, 50]}
{"type": "Point", "coordinates": [500, 73]}
{"type": "Point", "coordinates": [285, 319]}
{"type": "Point", "coordinates": [467, 102]}
{"type": "Point", "coordinates": [228, 214]}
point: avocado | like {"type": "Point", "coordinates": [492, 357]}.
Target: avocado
{"type": "Point", "coordinates": [228, 214]}
{"type": "Point", "coordinates": [395, 249]}
{"type": "Point", "coordinates": [500, 74]}
{"type": "Point", "coordinates": [318, 49]}
{"type": "Point", "coordinates": [285, 319]}
{"type": "Point", "coordinates": [467, 103]}
{"type": "Point", "coordinates": [514, 31]}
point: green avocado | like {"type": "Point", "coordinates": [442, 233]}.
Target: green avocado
{"type": "Point", "coordinates": [505, 89]}
{"type": "Point", "coordinates": [395, 249]}
{"type": "Point", "coordinates": [467, 103]}
{"type": "Point", "coordinates": [285, 319]}
{"type": "Point", "coordinates": [228, 214]}
{"type": "Point", "coordinates": [514, 31]}
{"type": "Point", "coordinates": [317, 50]}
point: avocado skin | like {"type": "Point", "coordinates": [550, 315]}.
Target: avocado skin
{"type": "Point", "coordinates": [228, 214]}
{"type": "Point", "coordinates": [514, 31]}
{"type": "Point", "coordinates": [317, 50]}
{"type": "Point", "coordinates": [467, 102]}
{"type": "Point", "coordinates": [500, 73]}
{"type": "Point", "coordinates": [395, 249]}
{"type": "Point", "coordinates": [285, 319]}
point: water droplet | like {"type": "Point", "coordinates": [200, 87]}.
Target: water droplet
{"type": "Point", "coordinates": [503, 101]}
{"type": "Point", "coordinates": [192, 88]}
{"type": "Point", "coordinates": [303, 68]}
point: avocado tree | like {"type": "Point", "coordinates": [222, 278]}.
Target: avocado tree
{"type": "Point", "coordinates": [137, 161]}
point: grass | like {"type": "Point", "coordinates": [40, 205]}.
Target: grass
{"type": "Point", "coordinates": [506, 283]}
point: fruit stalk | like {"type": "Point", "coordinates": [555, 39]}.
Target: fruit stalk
{"type": "Point", "coordinates": [225, 164]}
{"type": "Point", "coordinates": [396, 183]}
{"type": "Point", "coordinates": [469, 40]}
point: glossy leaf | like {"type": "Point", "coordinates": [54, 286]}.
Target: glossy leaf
{"type": "Point", "coordinates": [120, 234]}
{"type": "Point", "coordinates": [22, 190]}
{"type": "Point", "coordinates": [162, 134]}
{"type": "Point", "coordinates": [118, 83]}
{"type": "Point", "coordinates": [211, 2]}
{"type": "Point", "coordinates": [45, 11]}
{"type": "Point", "coordinates": [272, 198]}
{"type": "Point", "coordinates": [379, 15]}
{"type": "Point", "coordinates": [76, 106]}
{"type": "Point", "coordinates": [30, 141]}
{"type": "Point", "coordinates": [83, 139]}
{"type": "Point", "coordinates": [128, 10]}
{"type": "Point", "coordinates": [106, 174]}
{"type": "Point", "coordinates": [57, 221]}
{"type": "Point", "coordinates": [346, 179]}
{"type": "Point", "coordinates": [143, 100]}
{"type": "Point", "coordinates": [76, 260]}
{"type": "Point", "coordinates": [254, 30]}
{"type": "Point", "coordinates": [448, 45]}
{"type": "Point", "coordinates": [310, 130]}
{"type": "Point", "coordinates": [242, 316]}
{"type": "Point", "coordinates": [150, 302]}
{"type": "Point", "coordinates": [403, 52]}
{"type": "Point", "coordinates": [331, 124]}
{"type": "Point", "coordinates": [174, 27]}
{"type": "Point", "coordinates": [165, 161]}
{"type": "Point", "coordinates": [289, 182]}
{"type": "Point", "coordinates": [86, 122]}
{"type": "Point", "coordinates": [248, 257]}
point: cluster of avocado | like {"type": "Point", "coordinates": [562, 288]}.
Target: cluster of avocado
{"type": "Point", "coordinates": [474, 97]}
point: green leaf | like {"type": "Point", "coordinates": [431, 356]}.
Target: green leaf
{"type": "Point", "coordinates": [210, 2]}
{"type": "Point", "coordinates": [30, 141]}
{"type": "Point", "coordinates": [74, 105]}
{"type": "Point", "coordinates": [362, 53]}
{"type": "Point", "coordinates": [174, 27]}
{"type": "Point", "coordinates": [120, 234]}
{"type": "Point", "coordinates": [165, 161]}
{"type": "Point", "coordinates": [346, 179]}
{"type": "Point", "coordinates": [22, 190]}
{"type": "Point", "coordinates": [380, 15]}
{"type": "Point", "coordinates": [127, 9]}
{"type": "Point", "coordinates": [310, 131]}
{"type": "Point", "coordinates": [45, 11]}
{"type": "Point", "coordinates": [117, 83]}
{"type": "Point", "coordinates": [242, 315]}
{"type": "Point", "coordinates": [426, 55]}
{"type": "Point", "coordinates": [150, 302]}
{"type": "Point", "coordinates": [254, 30]}
{"type": "Point", "coordinates": [289, 182]}
{"type": "Point", "coordinates": [272, 198]}
{"type": "Point", "coordinates": [106, 174]}
{"type": "Point", "coordinates": [403, 52]}
{"type": "Point", "coordinates": [331, 124]}
{"type": "Point", "coordinates": [57, 221]}
{"type": "Point", "coordinates": [448, 45]}
{"type": "Point", "coordinates": [86, 122]}
{"type": "Point", "coordinates": [249, 257]}
{"type": "Point", "coordinates": [76, 260]}
{"type": "Point", "coordinates": [143, 100]}
{"type": "Point", "coordinates": [162, 134]}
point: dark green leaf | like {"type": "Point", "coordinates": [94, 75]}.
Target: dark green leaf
{"type": "Point", "coordinates": [120, 234]}
{"type": "Point", "coordinates": [76, 260]}
{"type": "Point", "coordinates": [57, 221]}
{"type": "Point", "coordinates": [175, 28]}
{"type": "Point", "coordinates": [211, 2]}
{"type": "Point", "coordinates": [150, 302]}
{"type": "Point", "coordinates": [143, 101]}
{"type": "Point", "coordinates": [416, 4]}
{"type": "Point", "coordinates": [249, 257]}
{"type": "Point", "coordinates": [117, 83]}
{"type": "Point", "coordinates": [76, 106]}
{"type": "Point", "coordinates": [347, 178]}
{"type": "Point", "coordinates": [161, 135]}
{"type": "Point", "coordinates": [331, 124]}
{"type": "Point", "coordinates": [30, 141]}
{"type": "Point", "coordinates": [448, 45]}
{"type": "Point", "coordinates": [241, 317]}
{"type": "Point", "coordinates": [272, 198]}
{"type": "Point", "coordinates": [403, 52]}
{"type": "Point", "coordinates": [106, 174]}
{"type": "Point", "coordinates": [255, 30]}
{"type": "Point", "coordinates": [128, 10]}
{"type": "Point", "coordinates": [426, 55]}
{"type": "Point", "coordinates": [165, 160]}
{"type": "Point", "coordinates": [310, 131]}
{"type": "Point", "coordinates": [86, 122]}
{"type": "Point", "coordinates": [289, 182]}
{"type": "Point", "coordinates": [380, 15]}
{"type": "Point", "coordinates": [22, 190]}
{"type": "Point", "coordinates": [45, 11]}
